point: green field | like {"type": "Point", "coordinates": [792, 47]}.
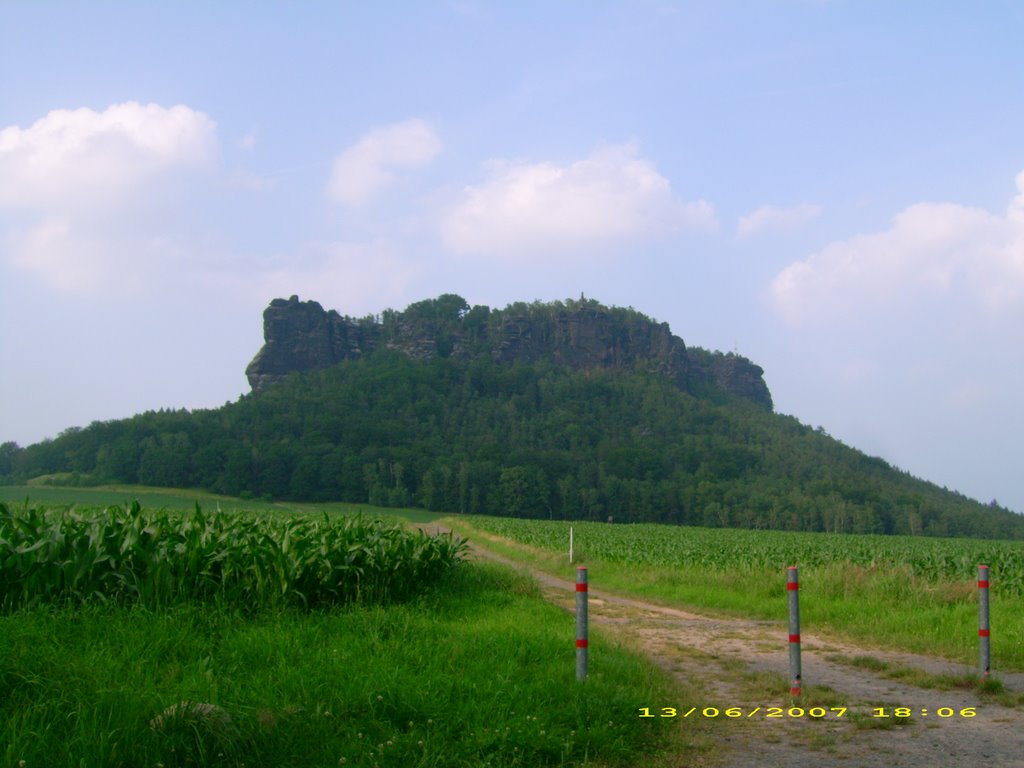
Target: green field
{"type": "Point", "coordinates": [219, 666]}
{"type": "Point", "coordinates": [472, 668]}
{"type": "Point", "coordinates": [175, 498]}
{"type": "Point", "coordinates": [909, 593]}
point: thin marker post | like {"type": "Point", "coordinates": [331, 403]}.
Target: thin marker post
{"type": "Point", "coordinates": [793, 588]}
{"type": "Point", "coordinates": [581, 623]}
{"type": "Point", "coordinates": [983, 633]}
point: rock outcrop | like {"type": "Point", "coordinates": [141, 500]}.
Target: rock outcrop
{"type": "Point", "coordinates": [301, 336]}
{"type": "Point", "coordinates": [584, 335]}
{"type": "Point", "coordinates": [730, 373]}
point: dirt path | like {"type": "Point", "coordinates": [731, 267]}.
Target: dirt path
{"type": "Point", "coordinates": [739, 663]}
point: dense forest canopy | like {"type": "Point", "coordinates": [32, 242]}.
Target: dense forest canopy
{"type": "Point", "coordinates": [470, 433]}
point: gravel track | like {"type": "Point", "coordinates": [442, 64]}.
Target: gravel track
{"type": "Point", "coordinates": [720, 655]}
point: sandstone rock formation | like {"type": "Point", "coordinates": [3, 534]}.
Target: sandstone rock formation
{"type": "Point", "coordinates": [301, 336]}
{"type": "Point", "coordinates": [584, 335]}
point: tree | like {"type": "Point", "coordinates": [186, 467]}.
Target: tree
{"type": "Point", "coordinates": [523, 492]}
{"type": "Point", "coordinates": [9, 453]}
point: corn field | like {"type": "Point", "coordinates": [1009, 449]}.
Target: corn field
{"type": "Point", "coordinates": [160, 558]}
{"type": "Point", "coordinates": [932, 559]}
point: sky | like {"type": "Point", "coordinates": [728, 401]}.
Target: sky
{"type": "Point", "coordinates": [832, 189]}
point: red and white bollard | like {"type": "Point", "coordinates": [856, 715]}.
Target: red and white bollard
{"type": "Point", "coordinates": [581, 622]}
{"type": "Point", "coordinates": [793, 587]}
{"type": "Point", "coordinates": [983, 633]}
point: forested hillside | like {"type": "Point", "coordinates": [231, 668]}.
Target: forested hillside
{"type": "Point", "coordinates": [539, 439]}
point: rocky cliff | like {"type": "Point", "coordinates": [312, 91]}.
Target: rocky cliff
{"type": "Point", "coordinates": [302, 336]}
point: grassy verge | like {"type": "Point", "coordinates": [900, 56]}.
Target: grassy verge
{"type": "Point", "coordinates": [993, 689]}
{"type": "Point", "coordinates": [479, 672]}
{"type": "Point", "coordinates": [886, 608]}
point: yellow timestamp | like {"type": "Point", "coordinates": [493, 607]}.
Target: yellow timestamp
{"type": "Point", "coordinates": [739, 712]}
{"type": "Point", "coordinates": [905, 712]}
{"type": "Point", "coordinates": [900, 713]}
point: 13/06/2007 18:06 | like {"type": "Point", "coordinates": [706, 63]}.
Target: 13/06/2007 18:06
{"type": "Point", "coordinates": [815, 712]}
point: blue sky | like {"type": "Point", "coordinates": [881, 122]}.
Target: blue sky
{"type": "Point", "coordinates": [833, 189]}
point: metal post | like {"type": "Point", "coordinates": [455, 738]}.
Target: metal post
{"type": "Point", "coordinates": [986, 661]}
{"type": "Point", "coordinates": [793, 587]}
{"type": "Point", "coordinates": [581, 622]}
{"type": "Point", "coordinates": [570, 545]}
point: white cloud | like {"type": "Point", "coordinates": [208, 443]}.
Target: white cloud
{"type": "Point", "coordinates": [83, 158]}
{"type": "Point", "coordinates": [74, 186]}
{"type": "Point", "coordinates": [354, 278]}
{"type": "Point", "coordinates": [365, 168]}
{"type": "Point", "coordinates": [769, 218]}
{"type": "Point", "coordinates": [70, 264]}
{"type": "Point", "coordinates": [248, 142]}
{"type": "Point", "coordinates": [529, 210]}
{"type": "Point", "coordinates": [931, 250]}
{"type": "Point", "coordinates": [77, 257]}
{"type": "Point", "coordinates": [913, 329]}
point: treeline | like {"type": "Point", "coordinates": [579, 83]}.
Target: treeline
{"type": "Point", "coordinates": [533, 440]}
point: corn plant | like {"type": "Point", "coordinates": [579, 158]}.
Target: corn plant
{"type": "Point", "coordinates": [161, 558]}
{"type": "Point", "coordinates": [931, 559]}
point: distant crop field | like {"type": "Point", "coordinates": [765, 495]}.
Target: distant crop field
{"type": "Point", "coordinates": [178, 498]}
{"type": "Point", "coordinates": [908, 593]}
{"type": "Point", "coordinates": [932, 559]}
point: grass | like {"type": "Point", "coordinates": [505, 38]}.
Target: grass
{"type": "Point", "coordinates": [887, 608]}
{"type": "Point", "coordinates": [479, 672]}
{"type": "Point", "coordinates": [991, 688]}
